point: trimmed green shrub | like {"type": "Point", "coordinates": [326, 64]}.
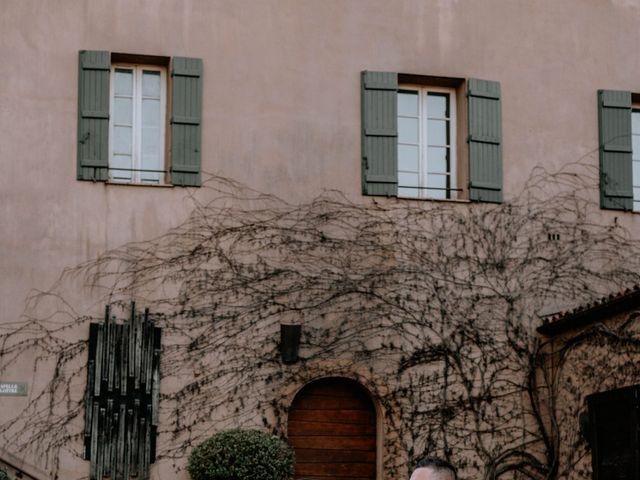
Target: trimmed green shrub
{"type": "Point", "coordinates": [3, 475]}
{"type": "Point", "coordinates": [241, 455]}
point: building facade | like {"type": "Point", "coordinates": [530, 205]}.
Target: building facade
{"type": "Point", "coordinates": [415, 184]}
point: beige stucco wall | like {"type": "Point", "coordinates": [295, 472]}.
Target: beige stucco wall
{"type": "Point", "coordinates": [281, 99]}
{"type": "Point", "coordinates": [281, 106]}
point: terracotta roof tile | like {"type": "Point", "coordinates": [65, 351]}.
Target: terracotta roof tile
{"type": "Point", "coordinates": [583, 315]}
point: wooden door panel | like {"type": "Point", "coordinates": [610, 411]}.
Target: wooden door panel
{"type": "Point", "coordinates": [327, 428]}
{"type": "Point", "coordinates": [366, 470]}
{"type": "Point", "coordinates": [312, 455]}
{"type": "Point", "coordinates": [323, 402]}
{"type": "Point", "coordinates": [334, 442]}
{"type": "Point", "coordinates": [332, 428]}
{"type": "Point", "coordinates": [339, 416]}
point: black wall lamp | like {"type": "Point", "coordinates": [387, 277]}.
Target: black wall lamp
{"type": "Point", "coordinates": [290, 342]}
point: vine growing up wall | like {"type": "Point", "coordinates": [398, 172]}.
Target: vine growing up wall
{"type": "Point", "coordinates": [431, 305]}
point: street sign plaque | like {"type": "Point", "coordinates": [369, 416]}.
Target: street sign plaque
{"type": "Point", "coordinates": [13, 389]}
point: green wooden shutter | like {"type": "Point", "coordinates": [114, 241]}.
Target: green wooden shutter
{"type": "Point", "coordinates": [379, 133]}
{"type": "Point", "coordinates": [93, 115]}
{"type": "Point", "coordinates": [485, 141]}
{"type": "Point", "coordinates": [614, 122]}
{"type": "Point", "coordinates": [186, 121]}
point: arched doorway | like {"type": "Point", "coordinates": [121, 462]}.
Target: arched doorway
{"type": "Point", "coordinates": [332, 428]}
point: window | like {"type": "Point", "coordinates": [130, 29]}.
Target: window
{"type": "Point", "coordinates": [426, 142]}
{"type": "Point", "coordinates": [124, 119]}
{"type": "Point", "coordinates": [613, 433]}
{"type": "Point", "coordinates": [412, 127]}
{"type": "Point", "coordinates": [136, 128]}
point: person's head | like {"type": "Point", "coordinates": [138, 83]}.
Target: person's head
{"type": "Point", "coordinates": [433, 469]}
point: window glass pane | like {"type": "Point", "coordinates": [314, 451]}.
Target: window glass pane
{"type": "Point", "coordinates": [437, 160]}
{"type": "Point", "coordinates": [438, 185]}
{"type": "Point", "coordinates": [408, 179]}
{"type": "Point", "coordinates": [122, 111]}
{"type": "Point", "coordinates": [151, 148]}
{"type": "Point", "coordinates": [635, 146]}
{"type": "Point", "coordinates": [636, 193]}
{"type": "Point", "coordinates": [636, 175]}
{"type": "Point", "coordinates": [120, 161]}
{"type": "Point", "coordinates": [123, 83]}
{"type": "Point", "coordinates": [408, 130]}
{"type": "Point", "coordinates": [635, 122]}
{"type": "Point", "coordinates": [151, 84]}
{"type": "Point", "coordinates": [122, 137]}
{"type": "Point", "coordinates": [408, 192]}
{"type": "Point", "coordinates": [150, 112]}
{"type": "Point", "coordinates": [437, 106]}
{"type": "Point", "coordinates": [408, 103]}
{"type": "Point", "coordinates": [151, 162]}
{"type": "Point", "coordinates": [408, 158]}
{"type": "Point", "coordinates": [437, 132]}
{"type": "Point", "coordinates": [150, 141]}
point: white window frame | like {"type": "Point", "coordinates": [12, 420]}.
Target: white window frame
{"type": "Point", "coordinates": [136, 157]}
{"type": "Point", "coordinates": [423, 92]}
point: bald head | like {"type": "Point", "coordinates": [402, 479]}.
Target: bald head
{"type": "Point", "coordinates": [432, 473]}
{"type": "Point", "coordinates": [432, 468]}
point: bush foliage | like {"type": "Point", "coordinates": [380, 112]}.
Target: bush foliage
{"type": "Point", "coordinates": [3, 475]}
{"type": "Point", "coordinates": [240, 455]}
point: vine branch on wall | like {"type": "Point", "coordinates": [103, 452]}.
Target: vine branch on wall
{"type": "Point", "coordinates": [431, 305]}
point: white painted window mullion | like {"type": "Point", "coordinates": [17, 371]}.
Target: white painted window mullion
{"type": "Point", "coordinates": [136, 123]}
{"type": "Point", "coordinates": [424, 141]}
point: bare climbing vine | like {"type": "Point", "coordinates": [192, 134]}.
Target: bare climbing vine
{"type": "Point", "coordinates": [431, 305]}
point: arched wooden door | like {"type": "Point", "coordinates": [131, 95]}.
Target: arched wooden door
{"type": "Point", "coordinates": [332, 428]}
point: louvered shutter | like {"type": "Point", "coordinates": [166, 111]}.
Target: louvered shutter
{"type": "Point", "coordinates": [379, 133]}
{"type": "Point", "coordinates": [186, 121]}
{"type": "Point", "coordinates": [485, 141]}
{"type": "Point", "coordinates": [93, 115]}
{"type": "Point", "coordinates": [614, 122]}
{"type": "Point", "coordinates": [614, 428]}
